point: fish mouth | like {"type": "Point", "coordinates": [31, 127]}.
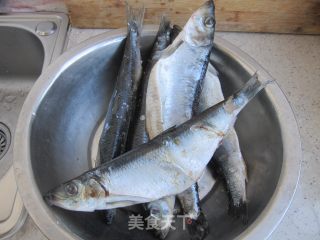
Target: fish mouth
{"type": "Point", "coordinates": [209, 7]}
{"type": "Point", "coordinates": [210, 4]}
{"type": "Point", "coordinates": [52, 198]}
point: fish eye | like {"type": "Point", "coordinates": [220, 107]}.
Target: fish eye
{"type": "Point", "coordinates": [71, 189]}
{"type": "Point", "coordinates": [209, 22]}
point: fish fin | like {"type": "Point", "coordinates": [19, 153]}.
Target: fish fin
{"type": "Point", "coordinates": [252, 87]}
{"type": "Point", "coordinates": [198, 228]}
{"type": "Point", "coordinates": [235, 103]}
{"type": "Point", "coordinates": [164, 24]}
{"type": "Point", "coordinates": [135, 17]}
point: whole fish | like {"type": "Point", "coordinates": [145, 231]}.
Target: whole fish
{"type": "Point", "coordinates": [180, 72]}
{"type": "Point", "coordinates": [140, 135]}
{"type": "Point", "coordinates": [121, 107]}
{"type": "Point", "coordinates": [167, 165]}
{"type": "Point", "coordinates": [162, 208]}
{"type": "Point", "coordinates": [233, 168]}
{"type": "Point", "coordinates": [174, 85]}
{"type": "Point", "coordinates": [228, 156]}
{"type": "Point", "coordinates": [190, 199]}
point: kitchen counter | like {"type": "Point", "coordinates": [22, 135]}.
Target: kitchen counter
{"type": "Point", "coordinates": [294, 61]}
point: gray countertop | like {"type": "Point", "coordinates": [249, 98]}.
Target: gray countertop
{"type": "Point", "coordinates": [294, 61]}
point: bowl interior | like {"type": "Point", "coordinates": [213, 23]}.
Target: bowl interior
{"type": "Point", "coordinates": [70, 112]}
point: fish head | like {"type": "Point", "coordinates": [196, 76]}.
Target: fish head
{"type": "Point", "coordinates": [200, 28]}
{"type": "Point", "coordinates": [85, 193]}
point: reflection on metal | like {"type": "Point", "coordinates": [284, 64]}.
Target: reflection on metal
{"type": "Point", "coordinates": [46, 28]}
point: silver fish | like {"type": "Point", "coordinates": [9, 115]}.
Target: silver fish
{"type": "Point", "coordinates": [167, 165]}
{"type": "Point", "coordinates": [175, 82]}
{"type": "Point", "coordinates": [123, 101]}
{"type": "Point", "coordinates": [140, 134]}
{"type": "Point", "coordinates": [179, 73]}
{"type": "Point", "coordinates": [162, 208]}
{"type": "Point", "coordinates": [228, 156]}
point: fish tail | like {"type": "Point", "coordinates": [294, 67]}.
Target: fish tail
{"type": "Point", "coordinates": [198, 228]}
{"type": "Point", "coordinates": [252, 87]}
{"type": "Point", "coordinates": [239, 211]}
{"type": "Point", "coordinates": [135, 17]}
{"type": "Point", "coordinates": [164, 25]}
{"type": "Point", "coordinates": [249, 91]}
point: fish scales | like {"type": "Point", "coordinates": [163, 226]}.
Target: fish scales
{"type": "Point", "coordinates": [124, 181]}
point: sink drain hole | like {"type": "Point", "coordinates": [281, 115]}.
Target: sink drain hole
{"type": "Point", "coordinates": [5, 139]}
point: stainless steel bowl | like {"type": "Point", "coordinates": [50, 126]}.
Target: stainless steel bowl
{"type": "Point", "coordinates": [24, 54]}
{"type": "Point", "coordinates": [55, 133]}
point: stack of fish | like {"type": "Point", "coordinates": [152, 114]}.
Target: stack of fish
{"type": "Point", "coordinates": [163, 126]}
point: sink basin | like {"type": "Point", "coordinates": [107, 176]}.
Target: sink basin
{"type": "Point", "coordinates": [25, 49]}
{"type": "Point", "coordinates": [65, 107]}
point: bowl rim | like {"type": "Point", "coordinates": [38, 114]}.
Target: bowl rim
{"type": "Point", "coordinates": [261, 228]}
